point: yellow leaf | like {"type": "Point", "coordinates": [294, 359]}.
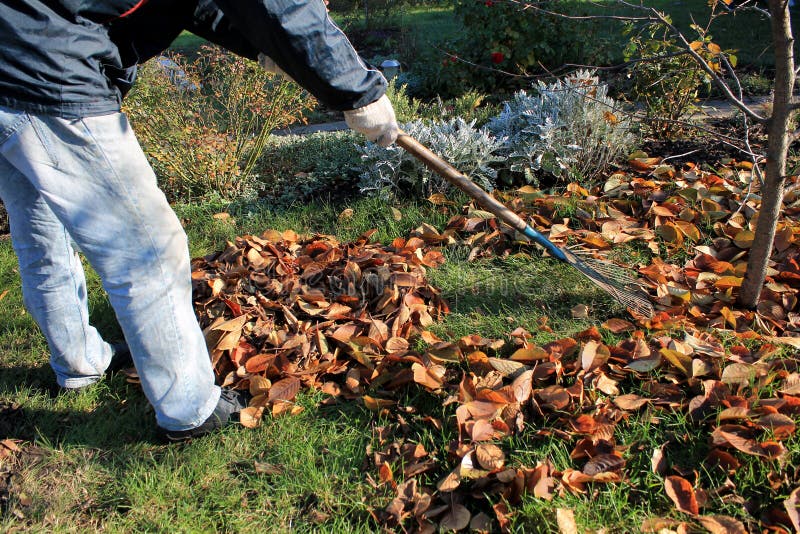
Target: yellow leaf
{"type": "Point", "coordinates": [727, 314]}
{"type": "Point", "coordinates": [727, 282]}
{"type": "Point", "coordinates": [610, 117]}
{"type": "Point", "coordinates": [696, 45]}
{"type": "Point", "coordinates": [669, 233]}
{"type": "Point", "coordinates": [438, 199]}
{"type": "Point", "coordinates": [250, 417]}
{"type": "Point", "coordinates": [679, 360]}
{"type": "Point", "coordinates": [744, 239]}
{"type": "Point", "coordinates": [376, 405]}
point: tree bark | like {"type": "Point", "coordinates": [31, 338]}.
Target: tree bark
{"type": "Point", "coordinates": [777, 150]}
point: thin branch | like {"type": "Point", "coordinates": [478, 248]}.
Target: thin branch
{"type": "Point", "coordinates": [680, 155]}
{"type": "Point", "coordinates": [565, 67]}
{"type": "Point", "coordinates": [657, 17]}
{"type": "Point", "coordinates": [707, 68]}
{"type": "Point", "coordinates": [622, 18]}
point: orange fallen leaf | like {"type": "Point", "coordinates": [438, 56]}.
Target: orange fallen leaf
{"type": "Point", "coordinates": [682, 494]}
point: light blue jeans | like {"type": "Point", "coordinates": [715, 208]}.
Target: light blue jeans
{"type": "Point", "coordinates": [88, 181]}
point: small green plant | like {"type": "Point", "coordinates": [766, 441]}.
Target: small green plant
{"type": "Point", "coordinates": [406, 108]}
{"type": "Point", "coordinates": [471, 105]}
{"type": "Point", "coordinates": [394, 172]}
{"type": "Point", "coordinates": [570, 129]}
{"type": "Point", "coordinates": [298, 168]}
{"type": "Point", "coordinates": [204, 124]}
{"type": "Point", "coordinates": [666, 81]}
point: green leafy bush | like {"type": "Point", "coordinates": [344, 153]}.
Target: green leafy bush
{"type": "Point", "coordinates": [665, 80]}
{"type": "Point", "coordinates": [471, 105]}
{"type": "Point", "coordinates": [296, 168]}
{"type": "Point", "coordinates": [500, 44]}
{"type": "Point", "coordinates": [394, 172]}
{"type": "Point", "coordinates": [570, 129]}
{"type": "Point", "coordinates": [204, 124]}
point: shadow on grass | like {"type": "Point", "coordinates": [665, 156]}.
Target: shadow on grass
{"type": "Point", "coordinates": [108, 414]}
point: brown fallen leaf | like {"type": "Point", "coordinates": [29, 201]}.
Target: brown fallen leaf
{"type": "Point", "coordinates": [658, 463]}
{"type": "Point", "coordinates": [722, 524]}
{"type": "Point", "coordinates": [490, 456]}
{"type": "Point", "coordinates": [768, 449]}
{"type": "Point", "coordinates": [285, 389]}
{"type": "Point", "coordinates": [792, 506]}
{"type": "Point", "coordinates": [658, 525]}
{"type": "Point", "coordinates": [630, 402]}
{"type": "Point", "coordinates": [682, 494]}
{"type": "Point", "coordinates": [456, 518]}
{"type": "Point", "coordinates": [250, 417]}
{"type": "Point", "coordinates": [480, 523]}
{"type": "Point", "coordinates": [618, 326]}
{"type": "Point", "coordinates": [603, 463]}
{"type": "Point", "coordinates": [450, 482]}
{"type": "Point", "coordinates": [566, 521]}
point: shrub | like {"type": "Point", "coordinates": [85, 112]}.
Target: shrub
{"type": "Point", "coordinates": [570, 129]}
{"type": "Point", "coordinates": [667, 84]}
{"type": "Point", "coordinates": [203, 124]}
{"type": "Point", "coordinates": [500, 38]}
{"type": "Point", "coordinates": [393, 171]}
{"type": "Point", "coordinates": [470, 106]}
{"type": "Point", "coordinates": [297, 168]}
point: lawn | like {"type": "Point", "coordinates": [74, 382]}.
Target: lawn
{"type": "Point", "coordinates": [90, 460]}
{"type": "Point", "coordinates": [607, 429]}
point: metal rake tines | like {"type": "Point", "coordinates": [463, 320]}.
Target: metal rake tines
{"type": "Point", "coordinates": [617, 281]}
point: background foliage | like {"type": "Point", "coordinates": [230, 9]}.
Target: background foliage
{"type": "Point", "coordinates": [204, 123]}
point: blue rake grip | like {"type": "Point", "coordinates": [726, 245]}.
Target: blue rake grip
{"type": "Point", "coordinates": [537, 237]}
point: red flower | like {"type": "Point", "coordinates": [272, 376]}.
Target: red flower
{"type": "Point", "coordinates": [488, 3]}
{"type": "Point", "coordinates": [497, 57]}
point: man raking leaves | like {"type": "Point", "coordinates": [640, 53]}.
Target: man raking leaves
{"type": "Point", "coordinates": [71, 170]}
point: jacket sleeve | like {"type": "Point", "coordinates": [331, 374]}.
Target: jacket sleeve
{"type": "Point", "coordinates": [302, 40]}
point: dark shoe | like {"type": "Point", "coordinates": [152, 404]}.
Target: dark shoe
{"type": "Point", "coordinates": [231, 402]}
{"type": "Point", "coordinates": [120, 359]}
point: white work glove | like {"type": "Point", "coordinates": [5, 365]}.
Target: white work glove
{"type": "Point", "coordinates": [376, 121]}
{"type": "Point", "coordinates": [270, 66]}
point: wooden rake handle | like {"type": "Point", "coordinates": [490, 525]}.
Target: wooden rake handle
{"type": "Point", "coordinates": [487, 201]}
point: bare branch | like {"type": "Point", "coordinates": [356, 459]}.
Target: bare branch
{"type": "Point", "coordinates": [680, 155]}
{"type": "Point", "coordinates": [622, 18]}
{"type": "Point", "coordinates": [707, 68]}
{"type": "Point", "coordinates": [656, 17]}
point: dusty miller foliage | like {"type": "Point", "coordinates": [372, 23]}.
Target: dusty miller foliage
{"type": "Point", "coordinates": [391, 171]}
{"type": "Point", "coordinates": [570, 128]}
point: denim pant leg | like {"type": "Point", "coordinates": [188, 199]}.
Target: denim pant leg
{"type": "Point", "coordinates": [95, 178]}
{"type": "Point", "coordinates": [53, 283]}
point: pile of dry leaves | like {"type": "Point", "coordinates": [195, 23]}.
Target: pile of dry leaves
{"type": "Point", "coordinates": [283, 312]}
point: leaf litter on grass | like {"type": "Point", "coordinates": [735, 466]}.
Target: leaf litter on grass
{"type": "Point", "coordinates": [283, 312]}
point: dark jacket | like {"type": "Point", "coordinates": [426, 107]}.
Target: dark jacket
{"type": "Point", "coordinates": [75, 58]}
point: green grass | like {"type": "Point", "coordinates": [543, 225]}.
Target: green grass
{"type": "Point", "coordinates": [92, 461]}
{"type": "Point", "coordinates": [187, 44]}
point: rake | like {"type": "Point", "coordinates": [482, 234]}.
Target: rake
{"type": "Point", "coordinates": [622, 284]}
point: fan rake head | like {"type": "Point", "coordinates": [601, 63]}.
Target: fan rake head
{"type": "Point", "coordinates": [619, 282]}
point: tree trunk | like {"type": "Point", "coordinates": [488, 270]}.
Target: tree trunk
{"type": "Point", "coordinates": [777, 149]}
